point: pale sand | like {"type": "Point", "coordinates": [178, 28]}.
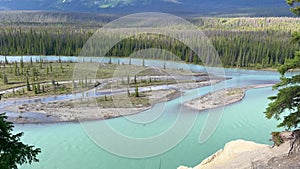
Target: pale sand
{"type": "Point", "coordinates": [193, 85]}
{"type": "Point", "coordinates": [71, 110]}
{"type": "Point", "coordinates": [221, 98]}
{"type": "Point", "coordinates": [241, 154]}
{"type": "Point", "coordinates": [63, 111]}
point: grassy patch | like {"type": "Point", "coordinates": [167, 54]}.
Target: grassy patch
{"type": "Point", "coordinates": [232, 92]}
{"type": "Point", "coordinates": [39, 77]}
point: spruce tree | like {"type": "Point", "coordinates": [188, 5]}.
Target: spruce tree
{"type": "Point", "coordinates": [5, 80]}
{"type": "Point", "coordinates": [35, 89]}
{"type": "Point", "coordinates": [109, 61]}
{"type": "Point", "coordinates": [38, 88]}
{"type": "Point", "coordinates": [51, 67]}
{"type": "Point", "coordinates": [21, 63]}
{"type": "Point", "coordinates": [135, 81]}
{"type": "Point", "coordinates": [136, 92]}
{"type": "Point", "coordinates": [295, 6]}
{"type": "Point", "coordinates": [13, 151]}
{"type": "Point", "coordinates": [5, 60]}
{"type": "Point", "coordinates": [27, 84]}
{"type": "Point", "coordinates": [31, 62]}
{"type": "Point", "coordinates": [287, 101]}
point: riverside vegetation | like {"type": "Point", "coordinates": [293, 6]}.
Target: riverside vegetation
{"type": "Point", "coordinates": [40, 77]}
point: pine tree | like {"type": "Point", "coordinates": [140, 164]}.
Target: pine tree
{"type": "Point", "coordinates": [295, 6]}
{"type": "Point", "coordinates": [34, 89]}
{"type": "Point", "coordinates": [27, 84]}
{"type": "Point", "coordinates": [31, 62]}
{"type": "Point", "coordinates": [5, 80]}
{"type": "Point", "coordinates": [136, 92]}
{"type": "Point", "coordinates": [288, 97]}
{"type": "Point", "coordinates": [41, 64]}
{"type": "Point", "coordinates": [5, 60]}
{"type": "Point", "coordinates": [86, 82]}
{"type": "Point", "coordinates": [14, 152]}
{"type": "Point", "coordinates": [135, 81]}
{"type": "Point", "coordinates": [38, 88]}
{"type": "Point", "coordinates": [16, 69]}
{"type": "Point", "coordinates": [51, 67]}
{"type": "Point", "coordinates": [21, 63]}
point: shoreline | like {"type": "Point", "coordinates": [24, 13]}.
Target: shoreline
{"type": "Point", "coordinates": [248, 154]}
{"type": "Point", "coordinates": [221, 97]}
{"type": "Point", "coordinates": [268, 69]}
{"type": "Point", "coordinates": [33, 111]}
{"type": "Point", "coordinates": [73, 111]}
{"type": "Point", "coordinates": [62, 111]}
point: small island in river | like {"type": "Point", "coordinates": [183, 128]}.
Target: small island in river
{"type": "Point", "coordinates": [221, 97]}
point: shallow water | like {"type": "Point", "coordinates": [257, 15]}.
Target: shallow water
{"type": "Point", "coordinates": [66, 145]}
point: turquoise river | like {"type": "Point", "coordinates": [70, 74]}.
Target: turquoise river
{"type": "Point", "coordinates": [67, 146]}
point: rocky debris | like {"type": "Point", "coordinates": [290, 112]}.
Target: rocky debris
{"type": "Point", "coordinates": [241, 154]}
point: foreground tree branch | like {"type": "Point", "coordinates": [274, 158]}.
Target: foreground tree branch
{"type": "Point", "coordinates": [12, 151]}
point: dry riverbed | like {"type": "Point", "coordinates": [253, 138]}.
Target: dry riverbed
{"type": "Point", "coordinates": [104, 107]}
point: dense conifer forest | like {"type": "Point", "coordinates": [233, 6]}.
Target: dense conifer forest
{"type": "Point", "coordinates": [240, 42]}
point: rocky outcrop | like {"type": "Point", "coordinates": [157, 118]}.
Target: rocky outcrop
{"type": "Point", "coordinates": [241, 154]}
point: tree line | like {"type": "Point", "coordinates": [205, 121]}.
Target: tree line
{"type": "Point", "coordinates": [18, 41]}
{"type": "Point", "coordinates": [263, 48]}
{"type": "Point", "coordinates": [235, 48]}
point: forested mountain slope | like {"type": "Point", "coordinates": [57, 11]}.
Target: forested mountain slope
{"type": "Point", "coordinates": [179, 7]}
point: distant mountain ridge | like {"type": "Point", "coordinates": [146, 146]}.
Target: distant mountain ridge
{"type": "Point", "coordinates": [184, 7]}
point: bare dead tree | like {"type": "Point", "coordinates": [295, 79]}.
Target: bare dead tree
{"type": "Point", "coordinates": [295, 141]}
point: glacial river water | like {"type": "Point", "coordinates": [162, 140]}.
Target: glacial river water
{"type": "Point", "coordinates": [66, 145]}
